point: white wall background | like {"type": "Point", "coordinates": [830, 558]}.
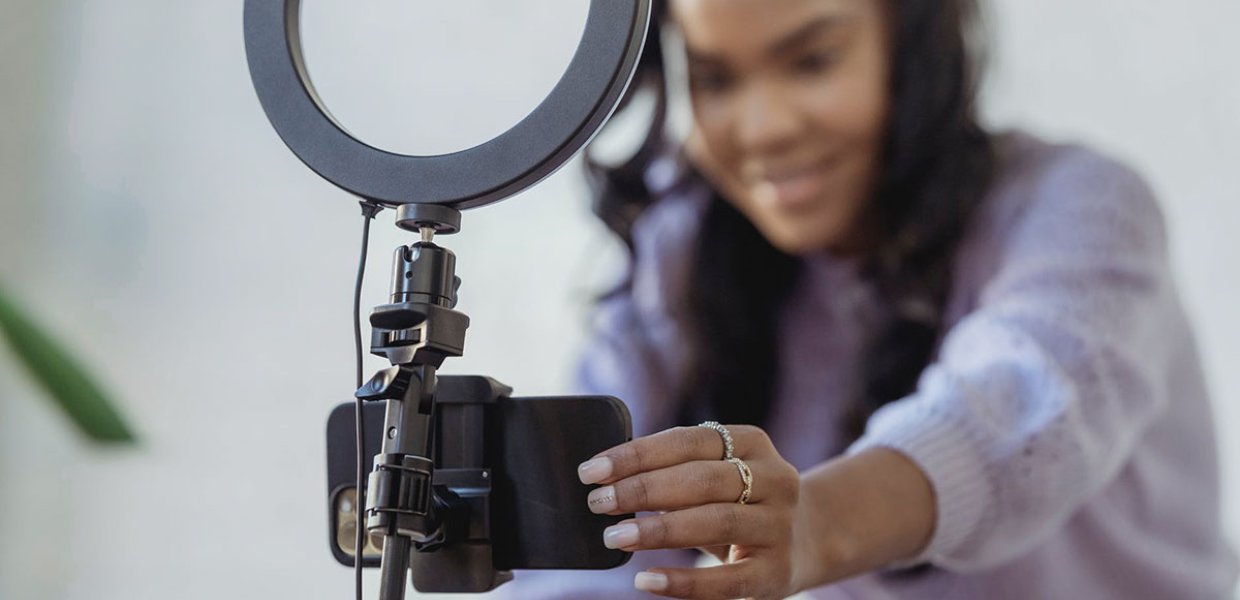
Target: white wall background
{"type": "Point", "coordinates": [149, 214]}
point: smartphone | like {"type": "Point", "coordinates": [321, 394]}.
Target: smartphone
{"type": "Point", "coordinates": [538, 514]}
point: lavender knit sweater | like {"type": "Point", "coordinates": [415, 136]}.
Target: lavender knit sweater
{"type": "Point", "coordinates": [1063, 421]}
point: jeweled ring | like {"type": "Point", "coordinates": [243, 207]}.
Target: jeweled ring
{"type": "Point", "coordinates": [723, 432]}
{"type": "Point", "coordinates": [746, 478]}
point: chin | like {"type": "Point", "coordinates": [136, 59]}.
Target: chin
{"type": "Point", "coordinates": [797, 242]}
{"type": "Point", "coordinates": [804, 232]}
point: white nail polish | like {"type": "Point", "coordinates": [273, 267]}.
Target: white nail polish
{"type": "Point", "coordinates": [603, 500]}
{"type": "Point", "coordinates": [620, 536]}
{"type": "Point", "coordinates": [650, 582]}
{"type": "Point", "coordinates": [594, 471]}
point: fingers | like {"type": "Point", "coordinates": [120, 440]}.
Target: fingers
{"type": "Point", "coordinates": [672, 447]}
{"type": "Point", "coordinates": [719, 552]}
{"type": "Point", "coordinates": [680, 471]}
{"type": "Point", "coordinates": [700, 527]}
{"type": "Point", "coordinates": [693, 484]}
{"type": "Point", "coordinates": [744, 579]}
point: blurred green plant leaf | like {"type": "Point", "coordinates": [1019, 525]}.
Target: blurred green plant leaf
{"type": "Point", "coordinates": [68, 384]}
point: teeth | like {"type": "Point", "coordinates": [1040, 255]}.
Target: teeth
{"type": "Point", "coordinates": [766, 192]}
{"type": "Point", "coordinates": [783, 177]}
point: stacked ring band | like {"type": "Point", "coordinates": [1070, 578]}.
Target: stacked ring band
{"type": "Point", "coordinates": [746, 478]}
{"type": "Point", "coordinates": [746, 474]}
{"type": "Point", "coordinates": [723, 432]}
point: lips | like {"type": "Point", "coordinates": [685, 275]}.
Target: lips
{"type": "Point", "coordinates": [792, 189]}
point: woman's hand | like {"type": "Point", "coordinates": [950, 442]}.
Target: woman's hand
{"type": "Point", "coordinates": [765, 543]}
{"type": "Point", "coordinates": [846, 516]}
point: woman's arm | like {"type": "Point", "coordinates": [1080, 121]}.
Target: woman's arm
{"type": "Point", "coordinates": [1039, 395]}
{"type": "Point", "coordinates": [863, 512]}
{"type": "Point", "coordinates": [1034, 403]}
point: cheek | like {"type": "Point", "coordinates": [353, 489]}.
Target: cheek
{"type": "Point", "coordinates": [708, 139]}
{"type": "Point", "coordinates": [851, 110]}
{"type": "Point", "coordinates": [711, 152]}
{"type": "Point", "coordinates": [864, 92]}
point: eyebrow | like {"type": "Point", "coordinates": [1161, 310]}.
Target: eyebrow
{"type": "Point", "coordinates": [788, 42]}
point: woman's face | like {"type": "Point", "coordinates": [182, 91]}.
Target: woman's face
{"type": "Point", "coordinates": [790, 103]}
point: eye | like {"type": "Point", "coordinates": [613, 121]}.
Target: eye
{"type": "Point", "coordinates": [814, 63]}
{"type": "Point", "coordinates": [710, 80]}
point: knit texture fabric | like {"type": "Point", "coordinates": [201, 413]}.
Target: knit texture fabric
{"type": "Point", "coordinates": [1063, 422]}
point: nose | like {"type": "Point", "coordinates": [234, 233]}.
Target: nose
{"type": "Point", "coordinates": [765, 119]}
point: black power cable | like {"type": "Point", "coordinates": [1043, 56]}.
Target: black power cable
{"type": "Point", "coordinates": [369, 210]}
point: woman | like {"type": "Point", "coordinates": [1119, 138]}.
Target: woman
{"type": "Point", "coordinates": [951, 364]}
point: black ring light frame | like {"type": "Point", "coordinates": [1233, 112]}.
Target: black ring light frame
{"type": "Point", "coordinates": [519, 158]}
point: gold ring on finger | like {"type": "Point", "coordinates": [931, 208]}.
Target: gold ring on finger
{"type": "Point", "coordinates": [746, 478]}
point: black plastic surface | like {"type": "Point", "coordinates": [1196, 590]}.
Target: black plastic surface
{"type": "Point", "coordinates": [540, 517]}
{"type": "Point", "coordinates": [540, 506]}
{"type": "Point", "coordinates": [342, 463]}
{"type": "Point", "coordinates": [532, 150]}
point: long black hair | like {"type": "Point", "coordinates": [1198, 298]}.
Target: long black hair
{"type": "Point", "coordinates": [937, 164]}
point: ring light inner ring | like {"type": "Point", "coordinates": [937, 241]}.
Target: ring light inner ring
{"type": "Point", "coordinates": [520, 157]}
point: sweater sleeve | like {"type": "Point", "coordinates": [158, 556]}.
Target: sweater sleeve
{"type": "Point", "coordinates": [1037, 397]}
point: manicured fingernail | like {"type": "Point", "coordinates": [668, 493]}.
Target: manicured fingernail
{"type": "Point", "coordinates": [603, 500]}
{"type": "Point", "coordinates": [650, 582]}
{"type": "Point", "coordinates": [594, 471]}
{"type": "Point", "coordinates": [620, 536]}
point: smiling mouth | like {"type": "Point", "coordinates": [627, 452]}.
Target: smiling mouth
{"type": "Point", "coordinates": [792, 190]}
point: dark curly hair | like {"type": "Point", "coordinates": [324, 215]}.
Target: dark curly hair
{"type": "Point", "coordinates": [937, 164]}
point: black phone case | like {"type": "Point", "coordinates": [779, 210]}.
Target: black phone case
{"type": "Point", "coordinates": [540, 442]}
{"type": "Point", "coordinates": [540, 517]}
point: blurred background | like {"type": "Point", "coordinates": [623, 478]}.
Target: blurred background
{"type": "Point", "coordinates": [151, 219]}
